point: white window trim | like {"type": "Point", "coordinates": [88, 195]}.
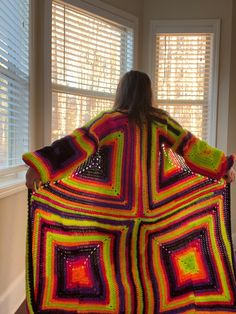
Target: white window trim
{"type": "Point", "coordinates": [95, 7]}
{"type": "Point", "coordinates": [12, 180]}
{"type": "Point", "coordinates": [192, 26]}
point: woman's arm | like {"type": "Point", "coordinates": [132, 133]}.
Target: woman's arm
{"type": "Point", "coordinates": [230, 175]}
{"type": "Point", "coordinates": [32, 179]}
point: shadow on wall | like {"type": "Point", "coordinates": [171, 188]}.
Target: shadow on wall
{"type": "Point", "coordinates": [22, 309]}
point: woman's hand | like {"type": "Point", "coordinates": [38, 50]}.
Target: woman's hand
{"type": "Point", "coordinates": [230, 175]}
{"type": "Point", "coordinates": [32, 179]}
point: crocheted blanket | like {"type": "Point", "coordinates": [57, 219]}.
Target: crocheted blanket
{"type": "Point", "coordinates": [133, 229]}
{"type": "Point", "coordinates": [92, 252]}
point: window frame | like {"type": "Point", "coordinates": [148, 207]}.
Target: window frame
{"type": "Point", "coordinates": [192, 26]}
{"type": "Point", "coordinates": [12, 180]}
{"type": "Point", "coordinates": [95, 7]}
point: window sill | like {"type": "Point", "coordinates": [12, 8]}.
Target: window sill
{"type": "Point", "coordinates": [12, 189]}
{"type": "Point", "coordinates": [12, 181]}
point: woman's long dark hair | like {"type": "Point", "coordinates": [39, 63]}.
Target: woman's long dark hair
{"type": "Point", "coordinates": [134, 96]}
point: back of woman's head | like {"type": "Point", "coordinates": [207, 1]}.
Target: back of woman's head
{"type": "Point", "coordinates": [134, 95]}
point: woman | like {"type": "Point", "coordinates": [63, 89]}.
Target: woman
{"type": "Point", "coordinates": [122, 223]}
{"type": "Point", "coordinates": [134, 99]}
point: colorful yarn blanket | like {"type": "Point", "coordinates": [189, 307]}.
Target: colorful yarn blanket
{"type": "Point", "coordinates": [92, 248]}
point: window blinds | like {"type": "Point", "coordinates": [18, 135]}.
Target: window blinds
{"type": "Point", "coordinates": [89, 54]}
{"type": "Point", "coordinates": [183, 78]}
{"type": "Point", "coordinates": [75, 109]}
{"type": "Point", "coordinates": [14, 81]}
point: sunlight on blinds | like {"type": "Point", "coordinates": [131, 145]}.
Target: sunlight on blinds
{"type": "Point", "coordinates": [71, 111]}
{"type": "Point", "coordinates": [14, 82]}
{"type": "Point", "coordinates": [182, 78]}
{"type": "Point", "coordinates": [89, 55]}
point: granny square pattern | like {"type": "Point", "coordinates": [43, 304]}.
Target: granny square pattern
{"type": "Point", "coordinates": [93, 249]}
{"type": "Point", "coordinates": [130, 220]}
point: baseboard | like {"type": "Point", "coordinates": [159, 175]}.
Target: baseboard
{"type": "Point", "coordinates": [12, 298]}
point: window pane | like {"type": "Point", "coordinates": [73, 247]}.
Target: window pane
{"type": "Point", "coordinates": [14, 81]}
{"type": "Point", "coordinates": [88, 52]}
{"type": "Point", "coordinates": [192, 117]}
{"type": "Point", "coordinates": [183, 76]}
{"type": "Point", "coordinates": [89, 55]}
{"type": "Point", "coordinates": [71, 111]}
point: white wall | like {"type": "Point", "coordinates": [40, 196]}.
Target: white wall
{"type": "Point", "coordinates": [232, 114]}
{"type": "Point", "coordinates": [13, 219]}
{"type": "Point", "coordinates": [132, 6]}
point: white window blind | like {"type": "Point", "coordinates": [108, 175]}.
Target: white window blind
{"type": "Point", "coordinates": [14, 81]}
{"type": "Point", "coordinates": [89, 55]}
{"type": "Point", "coordinates": [183, 78]}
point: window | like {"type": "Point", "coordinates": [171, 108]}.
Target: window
{"type": "Point", "coordinates": [14, 84]}
{"type": "Point", "coordinates": [89, 54]}
{"type": "Point", "coordinates": [185, 73]}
